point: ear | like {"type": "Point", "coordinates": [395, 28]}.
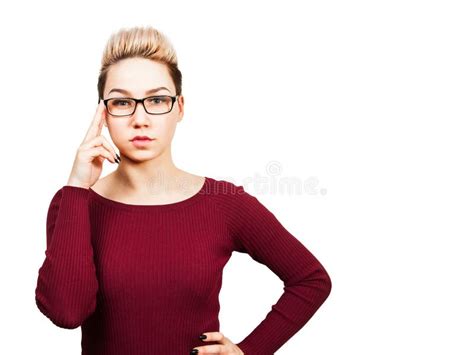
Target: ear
{"type": "Point", "coordinates": [181, 111]}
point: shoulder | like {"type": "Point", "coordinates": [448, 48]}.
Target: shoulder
{"type": "Point", "coordinates": [223, 191]}
{"type": "Point", "coordinates": [232, 199]}
{"type": "Point", "coordinates": [101, 185]}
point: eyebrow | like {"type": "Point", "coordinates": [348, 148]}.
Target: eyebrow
{"type": "Point", "coordinates": [147, 92]}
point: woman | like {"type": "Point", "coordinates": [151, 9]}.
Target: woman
{"type": "Point", "coordinates": [135, 259]}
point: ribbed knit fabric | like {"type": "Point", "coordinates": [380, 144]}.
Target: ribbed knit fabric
{"type": "Point", "coordinates": [145, 279]}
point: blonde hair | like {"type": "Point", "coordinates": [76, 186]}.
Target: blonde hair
{"type": "Point", "coordinates": [143, 42]}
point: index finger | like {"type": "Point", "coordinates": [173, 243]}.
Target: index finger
{"type": "Point", "coordinates": [96, 124]}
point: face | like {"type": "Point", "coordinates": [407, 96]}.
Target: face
{"type": "Point", "coordinates": [137, 76]}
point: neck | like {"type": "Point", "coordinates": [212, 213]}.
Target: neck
{"type": "Point", "coordinates": [150, 176]}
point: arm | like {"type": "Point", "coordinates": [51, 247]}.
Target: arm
{"type": "Point", "coordinates": [257, 231]}
{"type": "Point", "coordinates": [67, 284]}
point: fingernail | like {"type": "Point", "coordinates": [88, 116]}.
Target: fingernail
{"type": "Point", "coordinates": [116, 160]}
{"type": "Point", "coordinates": [194, 351]}
{"type": "Point", "coordinates": [118, 157]}
{"type": "Point", "coordinates": [203, 337]}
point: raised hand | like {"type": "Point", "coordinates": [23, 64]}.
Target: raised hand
{"type": "Point", "coordinates": [92, 152]}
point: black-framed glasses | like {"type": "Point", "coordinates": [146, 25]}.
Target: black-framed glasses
{"type": "Point", "coordinates": [126, 106]}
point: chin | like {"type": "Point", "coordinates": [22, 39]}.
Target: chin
{"type": "Point", "coordinates": [141, 155]}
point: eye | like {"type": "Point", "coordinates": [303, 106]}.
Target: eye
{"type": "Point", "coordinates": [120, 102]}
{"type": "Point", "coordinates": [156, 100]}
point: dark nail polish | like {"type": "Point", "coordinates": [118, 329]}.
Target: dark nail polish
{"type": "Point", "coordinates": [118, 157]}
{"type": "Point", "coordinates": [116, 160]}
{"type": "Point", "coordinates": [203, 337]}
{"type": "Point", "coordinates": [194, 351]}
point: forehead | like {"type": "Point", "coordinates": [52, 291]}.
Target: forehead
{"type": "Point", "coordinates": [137, 77]}
{"type": "Point", "coordinates": [147, 92]}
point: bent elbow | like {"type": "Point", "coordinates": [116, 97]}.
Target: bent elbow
{"type": "Point", "coordinates": [320, 282]}
{"type": "Point", "coordinates": [327, 285]}
{"type": "Point", "coordinates": [66, 317]}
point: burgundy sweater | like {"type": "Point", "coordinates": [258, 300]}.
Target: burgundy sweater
{"type": "Point", "coordinates": [145, 279]}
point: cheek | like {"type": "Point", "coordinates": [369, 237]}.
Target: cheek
{"type": "Point", "coordinates": [165, 131]}
{"type": "Point", "coordinates": [119, 133]}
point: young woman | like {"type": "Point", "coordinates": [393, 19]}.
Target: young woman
{"type": "Point", "coordinates": [136, 258]}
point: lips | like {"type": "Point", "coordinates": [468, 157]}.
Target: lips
{"type": "Point", "coordinates": [141, 138]}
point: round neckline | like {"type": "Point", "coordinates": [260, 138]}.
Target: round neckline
{"type": "Point", "coordinates": [162, 207]}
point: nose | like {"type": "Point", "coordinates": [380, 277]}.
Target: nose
{"type": "Point", "coordinates": [140, 116]}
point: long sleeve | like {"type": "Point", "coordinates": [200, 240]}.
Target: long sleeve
{"type": "Point", "coordinates": [257, 232]}
{"type": "Point", "coordinates": [67, 285]}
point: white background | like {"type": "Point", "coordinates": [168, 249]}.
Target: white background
{"type": "Point", "coordinates": [373, 99]}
